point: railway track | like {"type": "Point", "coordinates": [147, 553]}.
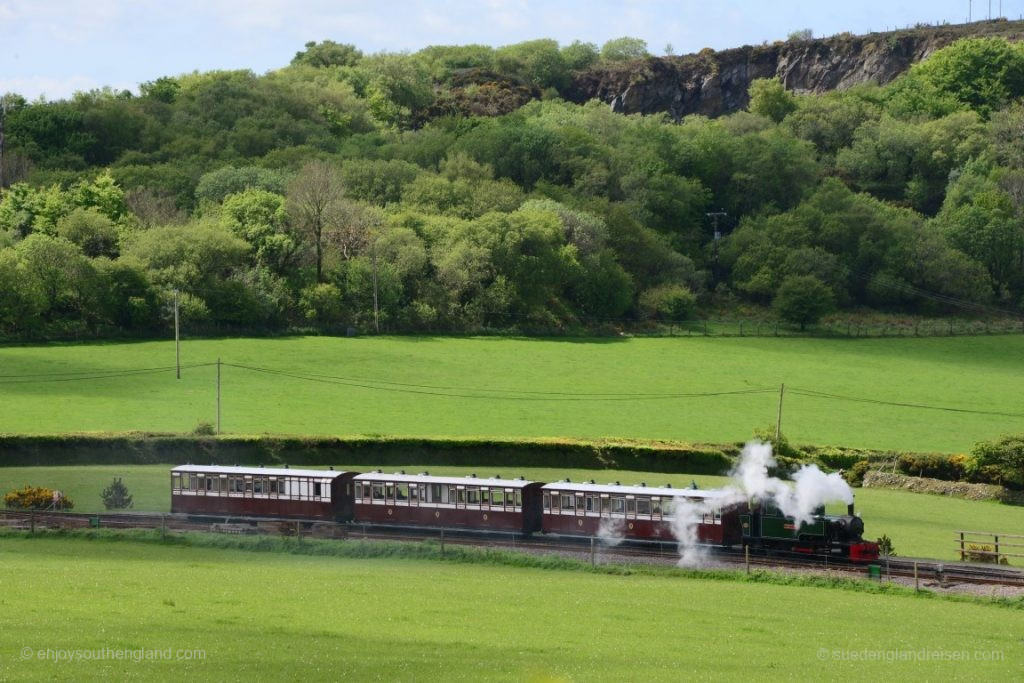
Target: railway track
{"type": "Point", "coordinates": [653, 552]}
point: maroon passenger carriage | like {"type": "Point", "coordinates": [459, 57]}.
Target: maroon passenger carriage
{"type": "Point", "coordinates": [401, 499]}
{"type": "Point", "coordinates": [633, 512]}
{"type": "Point", "coordinates": [256, 491]}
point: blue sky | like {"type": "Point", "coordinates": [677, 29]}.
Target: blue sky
{"type": "Point", "coordinates": [55, 47]}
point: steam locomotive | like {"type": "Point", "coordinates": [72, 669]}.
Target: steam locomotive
{"type": "Point", "coordinates": [565, 508]}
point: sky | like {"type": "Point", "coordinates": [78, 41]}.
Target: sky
{"type": "Point", "coordinates": [53, 48]}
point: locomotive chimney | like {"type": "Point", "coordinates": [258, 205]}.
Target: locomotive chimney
{"type": "Point", "coordinates": [849, 509]}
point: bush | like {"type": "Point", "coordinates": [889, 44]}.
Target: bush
{"type": "Point", "coordinates": [999, 462]}
{"type": "Point", "coordinates": [116, 496]}
{"type": "Point", "coordinates": [855, 475]}
{"type": "Point", "coordinates": [37, 498]}
{"type": "Point", "coordinates": [936, 466]}
{"type": "Point", "coordinates": [984, 553]}
{"type": "Point", "coordinates": [204, 428]}
{"type": "Point", "coordinates": [885, 547]}
{"type": "Point", "coordinates": [668, 302]}
{"type": "Point", "coordinates": [802, 300]}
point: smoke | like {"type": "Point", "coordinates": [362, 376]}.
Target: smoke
{"type": "Point", "coordinates": [612, 531]}
{"type": "Point", "coordinates": [751, 481]}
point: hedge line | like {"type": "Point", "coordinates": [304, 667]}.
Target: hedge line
{"type": "Point", "coordinates": [154, 448]}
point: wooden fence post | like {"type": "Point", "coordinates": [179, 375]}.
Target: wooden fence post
{"type": "Point", "coordinates": [962, 556]}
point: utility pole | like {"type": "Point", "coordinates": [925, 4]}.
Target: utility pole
{"type": "Point", "coordinates": [3, 118]}
{"type": "Point", "coordinates": [218, 395]}
{"type": "Point", "coordinates": [778, 422]}
{"type": "Point", "coordinates": [970, 8]}
{"type": "Point", "coordinates": [177, 338]}
{"type": "Point", "coordinates": [376, 314]}
{"type": "Point", "coordinates": [714, 216]}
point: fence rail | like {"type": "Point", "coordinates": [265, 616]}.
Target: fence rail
{"type": "Point", "coordinates": [974, 543]}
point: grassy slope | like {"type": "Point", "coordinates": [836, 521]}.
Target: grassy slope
{"type": "Point", "coordinates": [271, 616]}
{"type": "Point", "coordinates": [981, 373]}
{"type": "Point", "coordinates": [920, 525]}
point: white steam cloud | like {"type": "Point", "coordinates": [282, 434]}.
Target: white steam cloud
{"type": "Point", "coordinates": [813, 488]}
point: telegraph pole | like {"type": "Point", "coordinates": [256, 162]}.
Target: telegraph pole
{"type": "Point", "coordinates": [714, 216]}
{"type": "Point", "coordinates": [218, 395]}
{"type": "Point", "coordinates": [778, 422]}
{"type": "Point", "coordinates": [376, 315]}
{"type": "Point", "coordinates": [177, 338]}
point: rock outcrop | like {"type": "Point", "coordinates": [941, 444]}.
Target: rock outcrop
{"type": "Point", "coordinates": [714, 83]}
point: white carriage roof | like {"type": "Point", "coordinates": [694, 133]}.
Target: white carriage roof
{"type": "Point", "coordinates": [617, 489]}
{"type": "Point", "coordinates": [493, 482]}
{"type": "Point", "coordinates": [260, 471]}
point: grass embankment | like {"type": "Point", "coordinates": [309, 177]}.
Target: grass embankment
{"type": "Point", "coordinates": [397, 619]}
{"type": "Point", "coordinates": [521, 388]}
{"type": "Point", "coordinates": [920, 525]}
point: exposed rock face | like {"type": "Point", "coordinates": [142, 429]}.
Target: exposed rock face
{"type": "Point", "coordinates": [713, 83]}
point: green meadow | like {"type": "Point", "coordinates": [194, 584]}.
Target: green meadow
{"type": "Point", "coordinates": [920, 525]}
{"type": "Point", "coordinates": [665, 388]}
{"type": "Point", "coordinates": [332, 618]}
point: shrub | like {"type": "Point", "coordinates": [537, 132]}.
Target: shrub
{"type": "Point", "coordinates": [204, 428]}
{"type": "Point", "coordinates": [803, 300]}
{"type": "Point", "coordinates": [668, 302]}
{"type": "Point", "coordinates": [855, 475]}
{"type": "Point", "coordinates": [1000, 462]}
{"type": "Point", "coordinates": [984, 553]}
{"type": "Point", "coordinates": [885, 547]}
{"type": "Point", "coordinates": [116, 496]}
{"type": "Point", "coordinates": [37, 498]}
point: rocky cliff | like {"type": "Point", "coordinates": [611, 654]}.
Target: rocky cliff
{"type": "Point", "coordinates": [713, 83]}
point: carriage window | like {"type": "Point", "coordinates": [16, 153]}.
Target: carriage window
{"type": "Point", "coordinates": [618, 506]}
{"type": "Point", "coordinates": [461, 497]}
{"type": "Point", "coordinates": [591, 504]}
{"type": "Point", "coordinates": [389, 491]}
{"type": "Point", "coordinates": [568, 502]}
{"type": "Point", "coordinates": [473, 496]}
{"type": "Point", "coordinates": [631, 506]}
{"type": "Point", "coordinates": [273, 486]}
{"type": "Point", "coordinates": [485, 496]}
{"type": "Point", "coordinates": [643, 506]}
{"type": "Point", "coordinates": [606, 505]}
{"type": "Point", "coordinates": [451, 494]}
{"type": "Point", "coordinates": [176, 482]}
{"type": "Point", "coordinates": [656, 506]}
{"type": "Point", "coordinates": [317, 489]}
{"type": "Point", "coordinates": [402, 492]}
{"type": "Point", "coordinates": [414, 493]}
{"type": "Point", "coordinates": [257, 485]}
{"type": "Point", "coordinates": [378, 491]}
{"type": "Point", "coordinates": [547, 501]}
{"type": "Point", "coordinates": [212, 484]}
{"type": "Point", "coordinates": [519, 498]}
{"type": "Point", "coordinates": [579, 503]}
{"type": "Point", "coordinates": [498, 498]}
{"type": "Point", "coordinates": [667, 507]}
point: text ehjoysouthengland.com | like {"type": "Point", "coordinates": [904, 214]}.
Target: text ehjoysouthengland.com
{"type": "Point", "coordinates": [112, 654]}
{"type": "Point", "coordinates": [919, 655]}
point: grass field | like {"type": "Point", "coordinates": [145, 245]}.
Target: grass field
{"type": "Point", "coordinates": [920, 525]}
{"type": "Point", "coordinates": [272, 616]}
{"type": "Point", "coordinates": [522, 387]}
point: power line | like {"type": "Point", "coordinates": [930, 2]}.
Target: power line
{"type": "Point", "coordinates": [77, 377]}
{"type": "Point", "coordinates": [324, 379]}
{"type": "Point", "coordinates": [810, 393]}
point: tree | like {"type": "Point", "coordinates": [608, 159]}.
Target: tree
{"type": "Point", "coordinates": [91, 230]}
{"type": "Point", "coordinates": [328, 53]}
{"type": "Point", "coordinates": [981, 73]}
{"type": "Point", "coordinates": [803, 300]}
{"type": "Point", "coordinates": [116, 496]}
{"type": "Point", "coordinates": [579, 55]}
{"type": "Point", "coordinates": [315, 204]}
{"type": "Point", "coordinates": [624, 49]}
{"type": "Point", "coordinates": [769, 98]}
